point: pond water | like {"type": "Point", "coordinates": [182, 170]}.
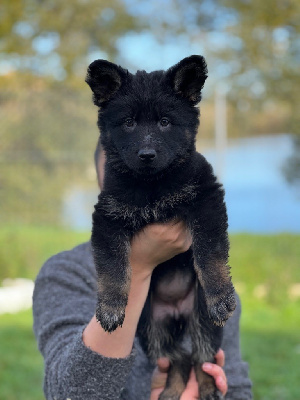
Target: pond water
{"type": "Point", "coordinates": [259, 199]}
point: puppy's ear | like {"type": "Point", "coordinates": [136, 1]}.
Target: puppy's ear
{"type": "Point", "coordinates": [187, 77]}
{"type": "Point", "coordinates": [105, 79]}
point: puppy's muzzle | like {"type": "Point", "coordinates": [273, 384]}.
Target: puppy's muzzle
{"type": "Point", "coordinates": [147, 156]}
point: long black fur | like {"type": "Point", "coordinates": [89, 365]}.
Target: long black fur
{"type": "Point", "coordinates": [148, 123]}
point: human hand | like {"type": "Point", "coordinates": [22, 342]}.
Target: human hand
{"type": "Point", "coordinates": [153, 245]}
{"type": "Point", "coordinates": [157, 243]}
{"type": "Point", "coordinates": [217, 372]}
{"type": "Point", "coordinates": [191, 391]}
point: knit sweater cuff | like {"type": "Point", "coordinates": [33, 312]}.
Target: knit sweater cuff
{"type": "Point", "coordinates": [89, 372]}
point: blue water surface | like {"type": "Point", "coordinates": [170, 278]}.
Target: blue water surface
{"type": "Point", "coordinates": [258, 197]}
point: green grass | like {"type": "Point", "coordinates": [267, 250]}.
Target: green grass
{"type": "Point", "coordinates": [21, 365]}
{"type": "Point", "coordinates": [274, 359]}
{"type": "Point", "coordinates": [264, 269]}
{"type": "Point", "coordinates": [271, 261]}
{"type": "Point", "coordinates": [23, 250]}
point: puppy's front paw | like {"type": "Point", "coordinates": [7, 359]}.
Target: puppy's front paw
{"type": "Point", "coordinates": [110, 317]}
{"type": "Point", "coordinates": [221, 308]}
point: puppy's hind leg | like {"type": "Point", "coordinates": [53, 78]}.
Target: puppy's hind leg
{"type": "Point", "coordinates": [206, 339]}
{"type": "Point", "coordinates": [178, 376]}
{"type": "Point", "coordinates": [207, 387]}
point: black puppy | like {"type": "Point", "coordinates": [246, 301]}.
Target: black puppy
{"type": "Point", "coordinates": [148, 123]}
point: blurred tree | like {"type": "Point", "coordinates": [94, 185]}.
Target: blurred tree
{"type": "Point", "coordinates": [253, 47]}
{"type": "Point", "coordinates": [268, 56]}
{"type": "Point", "coordinates": [48, 133]}
{"type": "Point", "coordinates": [268, 52]}
{"type": "Point", "coordinates": [55, 37]}
{"type": "Point", "coordinates": [48, 129]}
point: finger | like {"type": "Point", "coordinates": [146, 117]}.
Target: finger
{"type": "Point", "coordinates": [159, 380]}
{"type": "Point", "coordinates": [218, 374]}
{"type": "Point", "coordinates": [220, 358]}
{"type": "Point", "coordinates": [155, 393]}
{"type": "Point", "coordinates": [188, 237]}
{"type": "Point", "coordinates": [183, 230]}
{"type": "Point", "coordinates": [163, 364]}
{"type": "Point", "coordinates": [221, 384]}
{"type": "Point", "coordinates": [180, 228]}
{"type": "Point", "coordinates": [191, 391]}
{"type": "Point", "coordinates": [160, 374]}
{"type": "Point", "coordinates": [179, 233]}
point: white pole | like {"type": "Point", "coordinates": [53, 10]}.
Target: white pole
{"type": "Point", "coordinates": [220, 130]}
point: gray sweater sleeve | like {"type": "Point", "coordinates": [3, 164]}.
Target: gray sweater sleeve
{"type": "Point", "coordinates": [236, 370]}
{"type": "Point", "coordinates": [64, 301]}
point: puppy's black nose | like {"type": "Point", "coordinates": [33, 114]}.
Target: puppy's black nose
{"type": "Point", "coordinates": [147, 155]}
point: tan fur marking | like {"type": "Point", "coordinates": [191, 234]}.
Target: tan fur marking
{"type": "Point", "coordinates": [218, 273]}
{"type": "Point", "coordinates": [175, 386]}
{"type": "Point", "coordinates": [115, 208]}
{"type": "Point", "coordinates": [206, 382]}
{"type": "Point", "coordinates": [218, 291]}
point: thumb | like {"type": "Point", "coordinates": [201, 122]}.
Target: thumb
{"type": "Point", "coordinates": [191, 391]}
{"type": "Point", "coordinates": [160, 373]}
{"type": "Point", "coordinates": [159, 378]}
{"type": "Point", "coordinates": [163, 364]}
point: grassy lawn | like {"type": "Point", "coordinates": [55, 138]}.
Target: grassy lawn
{"type": "Point", "coordinates": [264, 268]}
{"type": "Point", "coordinates": [21, 365]}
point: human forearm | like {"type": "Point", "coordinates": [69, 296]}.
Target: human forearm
{"type": "Point", "coordinates": [63, 303]}
{"type": "Point", "coordinates": [118, 344]}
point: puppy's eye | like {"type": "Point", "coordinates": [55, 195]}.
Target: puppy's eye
{"type": "Point", "coordinates": [129, 122]}
{"type": "Point", "coordinates": [164, 122]}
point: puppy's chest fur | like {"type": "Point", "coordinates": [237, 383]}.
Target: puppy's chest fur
{"type": "Point", "coordinates": [148, 207]}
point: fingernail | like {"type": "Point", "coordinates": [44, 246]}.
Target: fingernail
{"type": "Point", "coordinates": [207, 366]}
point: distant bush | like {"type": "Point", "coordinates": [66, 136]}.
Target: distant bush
{"type": "Point", "coordinates": [24, 249]}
